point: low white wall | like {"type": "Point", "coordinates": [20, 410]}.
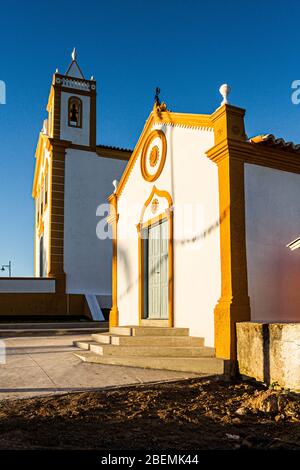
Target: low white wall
{"type": "Point", "coordinates": [270, 352]}
{"type": "Point", "coordinates": [27, 285]}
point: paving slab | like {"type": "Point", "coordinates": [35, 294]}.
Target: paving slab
{"type": "Point", "coordinates": [38, 366]}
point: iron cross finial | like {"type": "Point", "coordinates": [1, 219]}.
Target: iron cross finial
{"type": "Point", "coordinates": [156, 97]}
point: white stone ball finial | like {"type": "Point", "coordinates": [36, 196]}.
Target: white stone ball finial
{"type": "Point", "coordinates": [115, 185]}
{"type": "Point", "coordinates": [224, 91]}
{"type": "Point", "coordinates": [74, 54]}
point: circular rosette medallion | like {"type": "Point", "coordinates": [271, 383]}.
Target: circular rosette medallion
{"type": "Point", "coordinates": [153, 155]}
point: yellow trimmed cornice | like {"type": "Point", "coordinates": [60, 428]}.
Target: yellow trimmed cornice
{"type": "Point", "coordinates": [278, 159]}
{"type": "Point", "coordinates": [183, 119]}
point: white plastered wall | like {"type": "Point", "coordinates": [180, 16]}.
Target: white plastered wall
{"type": "Point", "coordinates": [192, 181]}
{"type": "Point", "coordinates": [88, 183]}
{"type": "Point", "coordinates": [76, 135]}
{"type": "Point", "coordinates": [272, 199]}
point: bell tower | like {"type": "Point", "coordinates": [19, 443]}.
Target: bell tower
{"type": "Point", "coordinates": [72, 107]}
{"type": "Point", "coordinates": [70, 181]}
{"type": "Point", "coordinates": [70, 127]}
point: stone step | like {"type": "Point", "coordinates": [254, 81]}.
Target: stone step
{"type": "Point", "coordinates": [201, 365]}
{"type": "Point", "coordinates": [151, 351]}
{"type": "Point", "coordinates": [84, 344]}
{"type": "Point", "coordinates": [103, 338]}
{"type": "Point", "coordinates": [145, 351]}
{"type": "Point", "coordinates": [148, 331]}
{"type": "Point", "coordinates": [107, 338]}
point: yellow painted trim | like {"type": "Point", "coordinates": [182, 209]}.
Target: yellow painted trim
{"type": "Point", "coordinates": [159, 193]}
{"type": "Point", "coordinates": [184, 119]}
{"type": "Point", "coordinates": [162, 158]}
{"type": "Point", "coordinates": [140, 274]}
{"type": "Point", "coordinates": [167, 215]}
{"type": "Point", "coordinates": [113, 221]}
{"type": "Point", "coordinates": [233, 305]}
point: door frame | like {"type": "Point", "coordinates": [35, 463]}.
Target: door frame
{"type": "Point", "coordinates": [167, 215]}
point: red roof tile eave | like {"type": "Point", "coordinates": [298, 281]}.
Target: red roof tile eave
{"type": "Point", "coordinates": [271, 141]}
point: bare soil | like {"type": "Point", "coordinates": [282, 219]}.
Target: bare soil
{"type": "Point", "coordinates": [187, 415]}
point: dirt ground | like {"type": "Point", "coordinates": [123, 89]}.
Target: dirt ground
{"type": "Point", "coordinates": [189, 415]}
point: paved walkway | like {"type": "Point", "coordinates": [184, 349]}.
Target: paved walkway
{"type": "Point", "coordinates": [37, 366]}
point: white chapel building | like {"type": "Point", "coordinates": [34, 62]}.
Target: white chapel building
{"type": "Point", "coordinates": [201, 219]}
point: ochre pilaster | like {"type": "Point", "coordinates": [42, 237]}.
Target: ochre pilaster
{"type": "Point", "coordinates": [56, 215]}
{"type": "Point", "coordinates": [228, 122]}
{"type": "Point", "coordinates": [113, 221]}
{"type": "Point", "coordinates": [233, 305]}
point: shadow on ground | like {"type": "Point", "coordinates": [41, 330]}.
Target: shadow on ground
{"type": "Point", "coordinates": [187, 415]}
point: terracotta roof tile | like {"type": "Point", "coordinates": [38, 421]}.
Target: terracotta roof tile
{"type": "Point", "coordinates": [272, 141]}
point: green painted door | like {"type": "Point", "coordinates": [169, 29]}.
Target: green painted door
{"type": "Point", "coordinates": [158, 271]}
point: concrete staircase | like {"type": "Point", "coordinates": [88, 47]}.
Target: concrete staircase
{"type": "Point", "coordinates": [151, 348]}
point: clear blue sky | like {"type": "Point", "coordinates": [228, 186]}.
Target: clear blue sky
{"type": "Point", "coordinates": [187, 47]}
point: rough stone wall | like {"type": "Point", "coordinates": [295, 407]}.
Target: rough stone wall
{"type": "Point", "coordinates": [270, 352]}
